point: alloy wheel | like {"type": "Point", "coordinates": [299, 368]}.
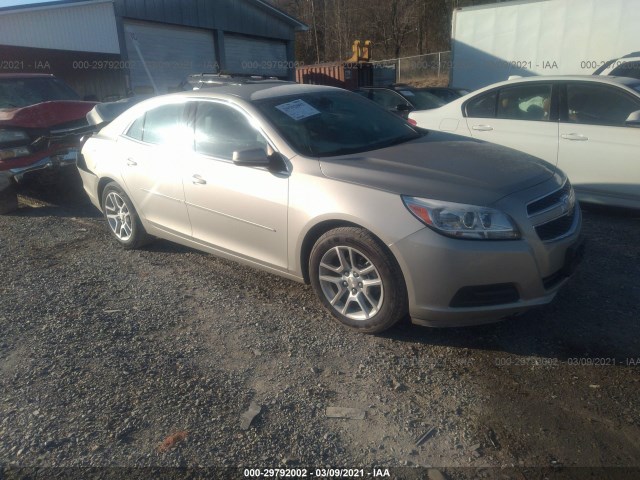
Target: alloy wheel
{"type": "Point", "coordinates": [351, 283]}
{"type": "Point", "coordinates": [119, 216]}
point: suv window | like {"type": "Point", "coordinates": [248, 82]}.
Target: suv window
{"type": "Point", "coordinates": [166, 125]}
{"type": "Point", "coordinates": [598, 105]}
{"type": "Point", "coordinates": [525, 102]}
{"type": "Point", "coordinates": [221, 130]}
{"type": "Point", "coordinates": [483, 106]}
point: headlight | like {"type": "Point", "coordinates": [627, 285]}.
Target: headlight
{"type": "Point", "coordinates": [462, 221]}
{"type": "Point", "coordinates": [7, 136]}
{"type": "Point", "coordinates": [9, 153]}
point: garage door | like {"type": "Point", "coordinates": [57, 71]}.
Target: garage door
{"type": "Point", "coordinates": [251, 56]}
{"type": "Point", "coordinates": [169, 54]}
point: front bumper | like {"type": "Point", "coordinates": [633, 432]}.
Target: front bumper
{"type": "Point", "coordinates": [453, 282]}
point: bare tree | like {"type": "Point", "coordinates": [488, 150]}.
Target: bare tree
{"type": "Point", "coordinates": [396, 27]}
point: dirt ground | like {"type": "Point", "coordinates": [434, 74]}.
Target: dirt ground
{"type": "Point", "coordinates": [105, 354]}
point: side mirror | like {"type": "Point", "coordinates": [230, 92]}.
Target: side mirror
{"type": "Point", "coordinates": [251, 157]}
{"type": "Point", "coordinates": [404, 108]}
{"type": "Point", "coordinates": [633, 120]}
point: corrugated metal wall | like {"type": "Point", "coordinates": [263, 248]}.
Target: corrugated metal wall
{"type": "Point", "coordinates": [169, 53]}
{"type": "Point", "coordinates": [251, 56]}
{"type": "Point", "coordinates": [86, 28]}
{"type": "Point", "coordinates": [237, 16]}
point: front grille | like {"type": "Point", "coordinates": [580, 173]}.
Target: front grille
{"type": "Point", "coordinates": [553, 215]}
{"type": "Point", "coordinates": [549, 201]}
{"type": "Point", "coordinates": [556, 228]}
{"type": "Point", "coordinates": [485, 295]}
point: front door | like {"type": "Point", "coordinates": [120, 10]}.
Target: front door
{"type": "Point", "coordinates": [239, 209]}
{"type": "Point", "coordinates": [598, 152]}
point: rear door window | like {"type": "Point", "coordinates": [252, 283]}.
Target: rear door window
{"type": "Point", "coordinates": [167, 125]}
{"type": "Point", "coordinates": [483, 106]}
{"type": "Point", "coordinates": [525, 102]}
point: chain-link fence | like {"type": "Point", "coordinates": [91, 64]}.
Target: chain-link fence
{"type": "Point", "coordinates": [431, 69]}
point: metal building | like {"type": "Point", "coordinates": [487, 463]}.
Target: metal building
{"type": "Point", "coordinates": [106, 48]}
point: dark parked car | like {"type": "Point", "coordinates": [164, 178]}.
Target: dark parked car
{"type": "Point", "coordinates": [401, 99]}
{"type": "Point", "coordinates": [447, 94]}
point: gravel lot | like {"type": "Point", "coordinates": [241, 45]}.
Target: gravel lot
{"type": "Point", "coordinates": [151, 358]}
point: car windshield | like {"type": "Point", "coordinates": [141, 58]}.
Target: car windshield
{"type": "Point", "coordinates": [636, 87]}
{"type": "Point", "coordinates": [331, 123]}
{"type": "Point", "coordinates": [422, 99]}
{"type": "Point", "coordinates": [22, 92]}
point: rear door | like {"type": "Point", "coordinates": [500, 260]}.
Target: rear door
{"type": "Point", "coordinates": [155, 148]}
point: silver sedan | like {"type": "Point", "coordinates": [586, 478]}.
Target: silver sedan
{"type": "Point", "coordinates": [322, 186]}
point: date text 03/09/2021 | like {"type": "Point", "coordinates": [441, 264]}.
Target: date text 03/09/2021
{"type": "Point", "coordinates": [315, 472]}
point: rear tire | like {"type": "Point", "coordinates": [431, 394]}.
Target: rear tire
{"type": "Point", "coordinates": [358, 280]}
{"type": "Point", "coordinates": [122, 219]}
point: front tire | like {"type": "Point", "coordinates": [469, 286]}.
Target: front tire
{"type": "Point", "coordinates": [358, 280]}
{"type": "Point", "coordinates": [122, 218]}
{"type": "Point", "coordinates": [8, 195]}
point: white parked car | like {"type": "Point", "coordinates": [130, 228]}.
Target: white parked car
{"type": "Point", "coordinates": [586, 125]}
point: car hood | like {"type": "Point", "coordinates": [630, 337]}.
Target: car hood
{"type": "Point", "coordinates": [45, 114]}
{"type": "Point", "coordinates": [442, 167]}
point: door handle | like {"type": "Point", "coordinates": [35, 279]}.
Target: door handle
{"type": "Point", "coordinates": [574, 136]}
{"type": "Point", "coordinates": [131, 162]}
{"type": "Point", "coordinates": [482, 128]}
{"type": "Point", "coordinates": [198, 180]}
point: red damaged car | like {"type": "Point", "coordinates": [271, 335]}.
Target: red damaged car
{"type": "Point", "coordinates": [41, 122]}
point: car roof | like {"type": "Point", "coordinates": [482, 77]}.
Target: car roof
{"type": "Point", "coordinates": [258, 91]}
{"type": "Point", "coordinates": [26, 75]}
{"type": "Point", "coordinates": [612, 80]}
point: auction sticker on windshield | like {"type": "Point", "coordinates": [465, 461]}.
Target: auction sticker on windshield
{"type": "Point", "coordinates": [298, 109]}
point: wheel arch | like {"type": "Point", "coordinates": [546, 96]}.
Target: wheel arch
{"type": "Point", "coordinates": [104, 181]}
{"type": "Point", "coordinates": [315, 232]}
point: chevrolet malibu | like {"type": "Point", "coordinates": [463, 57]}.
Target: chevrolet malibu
{"type": "Point", "coordinates": [322, 186]}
